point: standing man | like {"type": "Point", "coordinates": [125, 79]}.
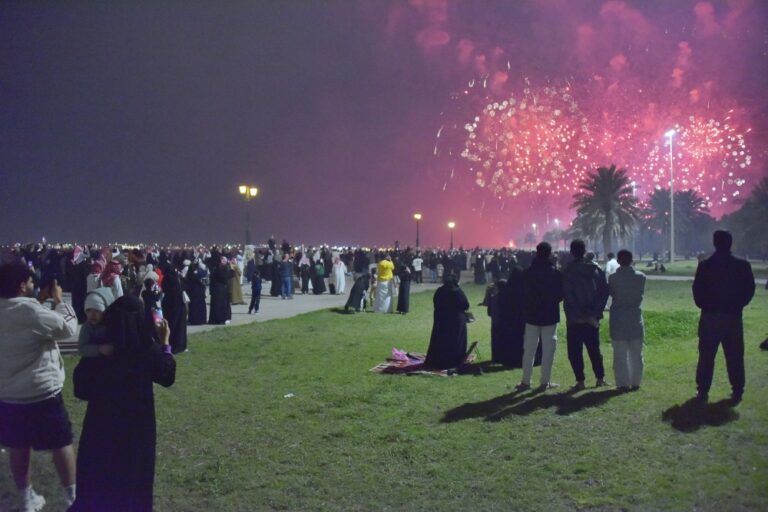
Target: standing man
{"type": "Point", "coordinates": [286, 277]}
{"type": "Point", "coordinates": [723, 286]}
{"type": "Point", "coordinates": [32, 412]}
{"type": "Point", "coordinates": [585, 293]}
{"type": "Point", "coordinates": [385, 273]}
{"type": "Point", "coordinates": [627, 287]}
{"type": "Point", "coordinates": [417, 263]}
{"type": "Point", "coordinates": [542, 291]}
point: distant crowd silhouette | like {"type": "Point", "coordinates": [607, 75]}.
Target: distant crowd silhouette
{"type": "Point", "coordinates": [134, 304]}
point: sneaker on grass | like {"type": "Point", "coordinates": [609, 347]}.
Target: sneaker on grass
{"type": "Point", "coordinates": [31, 501]}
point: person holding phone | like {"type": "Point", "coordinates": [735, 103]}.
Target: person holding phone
{"type": "Point", "coordinates": [32, 411]}
{"type": "Point", "coordinates": [116, 454]}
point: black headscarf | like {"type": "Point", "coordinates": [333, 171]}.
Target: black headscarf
{"type": "Point", "coordinates": [126, 324]}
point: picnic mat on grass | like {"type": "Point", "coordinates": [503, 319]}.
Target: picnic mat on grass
{"type": "Point", "coordinates": [412, 363]}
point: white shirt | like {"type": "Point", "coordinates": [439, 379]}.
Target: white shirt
{"type": "Point", "coordinates": [610, 267]}
{"type": "Point", "coordinates": [417, 262]}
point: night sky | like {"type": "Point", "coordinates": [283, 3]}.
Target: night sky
{"type": "Point", "coordinates": [136, 121]}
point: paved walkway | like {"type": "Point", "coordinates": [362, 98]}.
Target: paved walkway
{"type": "Point", "coordinates": [270, 308]}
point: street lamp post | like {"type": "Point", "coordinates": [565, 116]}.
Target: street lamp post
{"type": "Point", "coordinates": [671, 134]}
{"type": "Point", "coordinates": [451, 226]}
{"type": "Point", "coordinates": [248, 192]}
{"type": "Point", "coordinates": [417, 218]}
{"type": "Point", "coordinates": [634, 230]}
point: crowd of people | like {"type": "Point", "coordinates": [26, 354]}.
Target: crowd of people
{"type": "Point", "coordinates": [524, 306]}
{"type": "Point", "coordinates": [134, 305]}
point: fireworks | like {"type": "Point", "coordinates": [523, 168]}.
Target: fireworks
{"type": "Point", "coordinates": [540, 143]}
{"type": "Point", "coordinates": [708, 156]}
{"type": "Point", "coordinates": [533, 143]}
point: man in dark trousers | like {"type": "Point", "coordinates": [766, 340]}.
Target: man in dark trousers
{"type": "Point", "coordinates": [723, 286]}
{"type": "Point", "coordinates": [585, 293]}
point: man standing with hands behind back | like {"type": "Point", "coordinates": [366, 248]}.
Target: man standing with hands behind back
{"type": "Point", "coordinates": [32, 412]}
{"type": "Point", "coordinates": [722, 288]}
{"type": "Point", "coordinates": [585, 293]}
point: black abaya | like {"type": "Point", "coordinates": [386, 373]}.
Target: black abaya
{"type": "Point", "coordinates": [448, 343]}
{"type": "Point", "coordinates": [221, 311]}
{"type": "Point", "coordinates": [116, 454]}
{"type": "Point", "coordinates": [404, 292]}
{"type": "Point", "coordinates": [357, 293]}
{"type": "Point", "coordinates": [196, 292]}
{"type": "Point", "coordinates": [79, 283]}
{"type": "Point", "coordinates": [174, 310]}
{"type": "Point", "coordinates": [507, 321]}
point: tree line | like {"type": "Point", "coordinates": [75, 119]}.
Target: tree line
{"type": "Point", "coordinates": [609, 215]}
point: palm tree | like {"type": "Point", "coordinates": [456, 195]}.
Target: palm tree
{"type": "Point", "coordinates": [605, 207]}
{"type": "Point", "coordinates": [691, 216]}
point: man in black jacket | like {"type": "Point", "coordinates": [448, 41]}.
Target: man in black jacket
{"type": "Point", "coordinates": [585, 293]}
{"type": "Point", "coordinates": [543, 291]}
{"type": "Point", "coordinates": [723, 286]}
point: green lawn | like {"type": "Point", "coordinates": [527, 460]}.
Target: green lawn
{"type": "Point", "coordinates": [688, 268]}
{"type": "Point", "coordinates": [349, 439]}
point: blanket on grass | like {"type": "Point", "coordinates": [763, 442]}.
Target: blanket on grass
{"type": "Point", "coordinates": [412, 363]}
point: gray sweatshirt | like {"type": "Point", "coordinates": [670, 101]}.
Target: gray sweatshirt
{"type": "Point", "coordinates": [31, 369]}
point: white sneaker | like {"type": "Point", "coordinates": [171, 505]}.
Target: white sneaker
{"type": "Point", "coordinates": [31, 501]}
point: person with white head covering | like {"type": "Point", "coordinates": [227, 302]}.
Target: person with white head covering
{"type": "Point", "coordinates": [90, 341]}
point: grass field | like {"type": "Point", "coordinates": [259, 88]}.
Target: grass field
{"type": "Point", "coordinates": [230, 440]}
{"type": "Point", "coordinates": [688, 268]}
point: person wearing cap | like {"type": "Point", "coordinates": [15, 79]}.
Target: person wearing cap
{"type": "Point", "coordinates": [32, 412]}
{"type": "Point", "coordinates": [90, 341]}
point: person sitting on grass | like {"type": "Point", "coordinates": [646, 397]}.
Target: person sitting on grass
{"type": "Point", "coordinates": [448, 343]}
{"type": "Point", "coordinates": [356, 299]}
{"type": "Point", "coordinates": [627, 287]}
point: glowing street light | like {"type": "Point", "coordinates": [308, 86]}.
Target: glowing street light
{"type": "Point", "coordinates": [670, 134]}
{"type": "Point", "coordinates": [534, 228]}
{"type": "Point", "coordinates": [451, 226]}
{"type": "Point", "coordinates": [248, 192]}
{"type": "Point", "coordinates": [417, 218]}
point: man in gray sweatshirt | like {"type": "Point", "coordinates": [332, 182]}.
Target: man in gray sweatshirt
{"type": "Point", "coordinates": [32, 412]}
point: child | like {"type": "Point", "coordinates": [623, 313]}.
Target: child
{"type": "Point", "coordinates": [90, 342]}
{"type": "Point", "coordinates": [153, 313]}
{"type": "Point", "coordinates": [255, 291]}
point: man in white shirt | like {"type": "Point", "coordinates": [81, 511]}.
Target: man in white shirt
{"type": "Point", "coordinates": [611, 266]}
{"type": "Point", "coordinates": [32, 412]}
{"type": "Point", "coordinates": [417, 267]}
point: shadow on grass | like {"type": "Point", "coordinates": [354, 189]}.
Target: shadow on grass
{"type": "Point", "coordinates": [491, 367]}
{"type": "Point", "coordinates": [694, 414]}
{"type": "Point", "coordinates": [482, 409]}
{"type": "Point", "coordinates": [342, 311]}
{"type": "Point", "coordinates": [524, 403]}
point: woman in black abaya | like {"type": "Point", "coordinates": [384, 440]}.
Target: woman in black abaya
{"type": "Point", "coordinates": [174, 309]}
{"type": "Point", "coordinates": [448, 343]}
{"type": "Point", "coordinates": [116, 455]}
{"type": "Point", "coordinates": [404, 291]}
{"type": "Point", "coordinates": [221, 310]}
{"type": "Point", "coordinates": [196, 291]}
